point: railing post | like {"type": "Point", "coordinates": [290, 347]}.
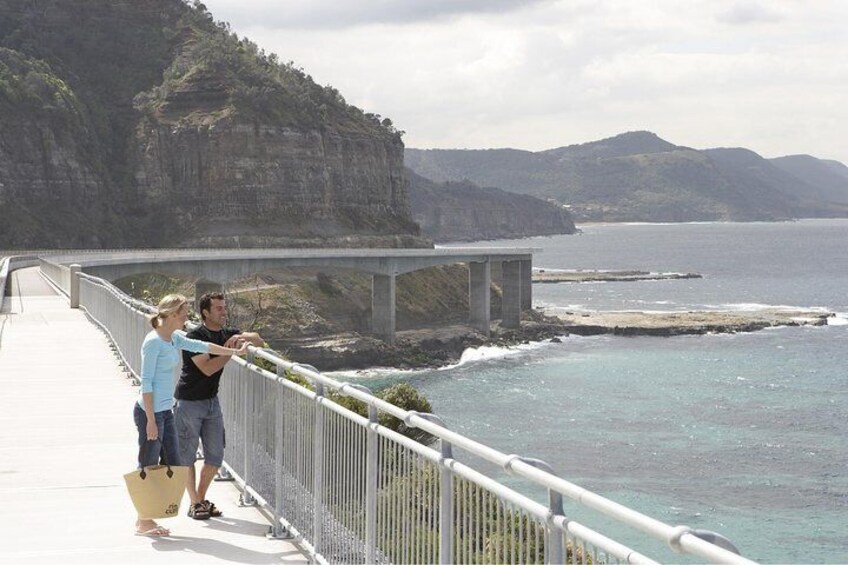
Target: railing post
{"type": "Point", "coordinates": [278, 531]}
{"type": "Point", "coordinates": [74, 290]}
{"type": "Point", "coordinates": [318, 472]}
{"type": "Point", "coordinates": [553, 535]}
{"type": "Point", "coordinates": [371, 486]}
{"type": "Point", "coordinates": [446, 530]}
{"type": "Point", "coordinates": [247, 499]}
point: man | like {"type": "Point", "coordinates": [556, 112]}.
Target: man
{"type": "Point", "coordinates": [197, 410]}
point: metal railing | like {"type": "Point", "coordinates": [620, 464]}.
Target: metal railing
{"type": "Point", "coordinates": [354, 491]}
{"type": "Point", "coordinates": [7, 265]}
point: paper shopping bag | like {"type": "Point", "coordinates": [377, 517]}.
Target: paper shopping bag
{"type": "Point", "coordinates": [156, 491]}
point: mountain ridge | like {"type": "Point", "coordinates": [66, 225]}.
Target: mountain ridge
{"type": "Point", "coordinates": [638, 176]}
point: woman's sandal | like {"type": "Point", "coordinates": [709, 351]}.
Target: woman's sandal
{"type": "Point", "coordinates": [154, 532]}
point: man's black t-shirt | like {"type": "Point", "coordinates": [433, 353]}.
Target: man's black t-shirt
{"type": "Point", "coordinates": [193, 384]}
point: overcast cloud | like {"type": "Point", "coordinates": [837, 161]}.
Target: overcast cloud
{"type": "Point", "coordinates": [771, 76]}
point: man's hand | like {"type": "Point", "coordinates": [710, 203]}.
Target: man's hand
{"type": "Point", "coordinates": [233, 342]}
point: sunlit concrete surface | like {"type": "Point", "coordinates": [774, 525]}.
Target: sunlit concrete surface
{"type": "Point", "coordinates": [67, 438]}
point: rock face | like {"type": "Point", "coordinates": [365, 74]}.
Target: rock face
{"type": "Point", "coordinates": [146, 123]}
{"type": "Point", "coordinates": [463, 211]}
{"type": "Point", "coordinates": [240, 184]}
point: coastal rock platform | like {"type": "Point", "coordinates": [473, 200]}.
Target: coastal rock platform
{"type": "Point", "coordinates": [682, 323]}
{"type": "Point", "coordinates": [582, 276]}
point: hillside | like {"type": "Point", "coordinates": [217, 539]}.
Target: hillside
{"type": "Point", "coordinates": [824, 180]}
{"type": "Point", "coordinates": [636, 176]}
{"type": "Point", "coordinates": [463, 211]}
{"type": "Point", "coordinates": [147, 123]}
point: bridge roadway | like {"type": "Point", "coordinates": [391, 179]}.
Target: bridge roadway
{"type": "Point", "coordinates": [67, 438]}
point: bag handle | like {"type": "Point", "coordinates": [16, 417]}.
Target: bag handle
{"type": "Point", "coordinates": [164, 453]}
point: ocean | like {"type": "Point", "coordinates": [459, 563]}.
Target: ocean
{"type": "Point", "coordinates": [742, 434]}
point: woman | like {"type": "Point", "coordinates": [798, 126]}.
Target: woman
{"type": "Point", "coordinates": [152, 413]}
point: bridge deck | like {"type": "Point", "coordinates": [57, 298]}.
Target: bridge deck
{"type": "Point", "coordinates": [67, 438]}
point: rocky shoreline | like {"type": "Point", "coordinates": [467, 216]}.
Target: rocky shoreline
{"type": "Point", "coordinates": [444, 345]}
{"type": "Point", "coordinates": [413, 349]}
{"type": "Point", "coordinates": [684, 323]}
{"type": "Point", "coordinates": [581, 276]}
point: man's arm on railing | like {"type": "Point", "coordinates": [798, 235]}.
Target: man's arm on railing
{"type": "Point", "coordinates": [210, 365]}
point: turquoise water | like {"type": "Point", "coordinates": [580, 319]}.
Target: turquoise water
{"type": "Point", "coordinates": [742, 434]}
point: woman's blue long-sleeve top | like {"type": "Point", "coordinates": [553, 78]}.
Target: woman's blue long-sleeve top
{"type": "Point", "coordinates": [159, 359]}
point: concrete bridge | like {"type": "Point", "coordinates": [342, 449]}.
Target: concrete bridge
{"type": "Point", "coordinates": [218, 267]}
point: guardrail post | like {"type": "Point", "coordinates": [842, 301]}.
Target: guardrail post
{"type": "Point", "coordinates": [318, 472]}
{"type": "Point", "coordinates": [553, 535]}
{"type": "Point", "coordinates": [371, 472]}
{"type": "Point", "coordinates": [278, 531]}
{"type": "Point", "coordinates": [247, 499]}
{"type": "Point", "coordinates": [446, 530]}
{"type": "Point", "coordinates": [74, 294]}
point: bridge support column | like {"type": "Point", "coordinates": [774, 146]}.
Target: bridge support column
{"type": "Point", "coordinates": [74, 296]}
{"type": "Point", "coordinates": [383, 307]}
{"type": "Point", "coordinates": [511, 300]}
{"type": "Point", "coordinates": [526, 284]}
{"type": "Point", "coordinates": [479, 299]}
{"type": "Point", "coordinates": [203, 286]}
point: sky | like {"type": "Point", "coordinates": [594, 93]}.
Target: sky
{"type": "Point", "coordinates": [768, 75]}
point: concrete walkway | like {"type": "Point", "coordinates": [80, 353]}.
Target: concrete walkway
{"type": "Point", "coordinates": [67, 438]}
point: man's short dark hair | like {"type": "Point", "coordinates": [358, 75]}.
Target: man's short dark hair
{"type": "Point", "coordinates": [205, 302]}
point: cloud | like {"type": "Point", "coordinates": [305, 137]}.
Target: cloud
{"type": "Point", "coordinates": [546, 74]}
{"type": "Point", "coordinates": [743, 13]}
{"type": "Point", "coordinates": [340, 14]}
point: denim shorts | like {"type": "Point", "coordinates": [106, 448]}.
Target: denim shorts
{"type": "Point", "coordinates": [165, 447]}
{"type": "Point", "coordinates": [200, 421]}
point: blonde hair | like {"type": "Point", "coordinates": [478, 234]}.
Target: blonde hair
{"type": "Point", "coordinates": [167, 306]}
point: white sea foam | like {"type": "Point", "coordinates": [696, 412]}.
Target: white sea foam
{"type": "Point", "coordinates": [470, 355]}
{"type": "Point", "coordinates": [839, 319]}
{"type": "Point", "coordinates": [488, 352]}
{"type": "Point", "coordinates": [756, 306]}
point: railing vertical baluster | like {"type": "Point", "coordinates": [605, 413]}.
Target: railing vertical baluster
{"type": "Point", "coordinates": [372, 477]}
{"type": "Point", "coordinates": [446, 530]}
{"type": "Point", "coordinates": [278, 531]}
{"type": "Point", "coordinates": [318, 471]}
{"type": "Point", "coordinates": [246, 499]}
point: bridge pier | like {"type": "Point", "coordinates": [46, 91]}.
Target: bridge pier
{"type": "Point", "coordinates": [526, 284]}
{"type": "Point", "coordinates": [383, 307]}
{"type": "Point", "coordinates": [511, 299]}
{"type": "Point", "coordinates": [479, 298]}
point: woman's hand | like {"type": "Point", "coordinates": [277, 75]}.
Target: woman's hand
{"type": "Point", "coordinates": [152, 430]}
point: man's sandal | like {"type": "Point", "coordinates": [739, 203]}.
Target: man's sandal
{"type": "Point", "coordinates": [199, 511]}
{"type": "Point", "coordinates": [213, 510]}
